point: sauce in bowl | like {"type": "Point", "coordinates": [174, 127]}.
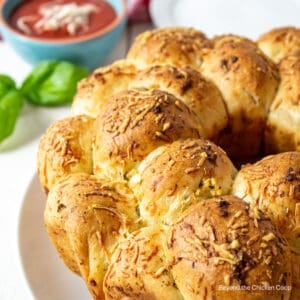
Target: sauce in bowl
{"type": "Point", "coordinates": [61, 18]}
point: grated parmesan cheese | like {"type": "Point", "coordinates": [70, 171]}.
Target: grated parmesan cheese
{"type": "Point", "coordinates": [55, 16]}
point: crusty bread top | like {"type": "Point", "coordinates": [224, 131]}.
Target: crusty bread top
{"type": "Point", "coordinates": [280, 42]}
{"type": "Point", "coordinates": [185, 83]}
{"type": "Point", "coordinates": [283, 125]}
{"type": "Point", "coordinates": [245, 77]}
{"type": "Point", "coordinates": [134, 123]}
{"type": "Point", "coordinates": [95, 90]}
{"type": "Point", "coordinates": [85, 218]}
{"type": "Point", "coordinates": [139, 269]}
{"type": "Point", "coordinates": [222, 241]}
{"type": "Point", "coordinates": [218, 40]}
{"type": "Point", "coordinates": [248, 81]}
{"type": "Point", "coordinates": [66, 148]}
{"type": "Point", "coordinates": [273, 184]}
{"type": "Point", "coordinates": [177, 175]}
{"type": "Point", "coordinates": [289, 68]}
{"type": "Point", "coordinates": [176, 46]}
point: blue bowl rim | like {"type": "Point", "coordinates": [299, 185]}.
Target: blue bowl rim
{"type": "Point", "coordinates": [69, 40]}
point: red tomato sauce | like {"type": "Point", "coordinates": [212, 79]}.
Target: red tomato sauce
{"type": "Point", "coordinates": [26, 16]}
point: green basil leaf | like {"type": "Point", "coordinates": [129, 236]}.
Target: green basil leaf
{"type": "Point", "coordinates": [6, 83]}
{"type": "Point", "coordinates": [11, 103]}
{"type": "Point", "coordinates": [53, 83]}
{"type": "Point", "coordinates": [37, 76]}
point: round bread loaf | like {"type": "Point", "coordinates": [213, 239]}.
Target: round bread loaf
{"type": "Point", "coordinates": [132, 182]}
{"type": "Point", "coordinates": [273, 185]}
{"type": "Point", "coordinates": [134, 123]}
{"type": "Point", "coordinates": [178, 175]}
{"type": "Point", "coordinates": [85, 218]}
{"type": "Point", "coordinates": [280, 42]}
{"type": "Point", "coordinates": [222, 243]}
{"type": "Point", "coordinates": [283, 126]}
{"type": "Point", "coordinates": [176, 46]}
{"type": "Point", "coordinates": [66, 148]}
{"type": "Point", "coordinates": [248, 82]}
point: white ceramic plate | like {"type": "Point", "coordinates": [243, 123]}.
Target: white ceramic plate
{"type": "Point", "coordinates": [244, 17]}
{"type": "Point", "coordinates": [46, 274]}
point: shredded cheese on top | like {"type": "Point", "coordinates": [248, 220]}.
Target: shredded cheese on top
{"type": "Point", "coordinates": [55, 16]}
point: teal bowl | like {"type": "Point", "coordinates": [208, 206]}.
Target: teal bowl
{"type": "Point", "coordinates": [87, 50]}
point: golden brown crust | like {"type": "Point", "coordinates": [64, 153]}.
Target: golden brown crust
{"type": "Point", "coordinates": [222, 242]}
{"type": "Point", "coordinates": [176, 46]}
{"type": "Point", "coordinates": [273, 184]}
{"type": "Point", "coordinates": [219, 40]}
{"type": "Point", "coordinates": [94, 91]}
{"type": "Point", "coordinates": [134, 123]}
{"type": "Point", "coordinates": [65, 148]}
{"type": "Point", "coordinates": [85, 218]}
{"type": "Point", "coordinates": [248, 82]}
{"type": "Point", "coordinates": [283, 126]}
{"type": "Point", "coordinates": [185, 83]}
{"type": "Point", "coordinates": [280, 42]}
{"type": "Point", "coordinates": [139, 269]}
{"type": "Point", "coordinates": [178, 175]}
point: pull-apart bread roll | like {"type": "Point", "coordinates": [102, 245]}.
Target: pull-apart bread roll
{"type": "Point", "coordinates": [273, 185]}
{"type": "Point", "coordinates": [200, 95]}
{"type": "Point", "coordinates": [280, 42]}
{"type": "Point", "coordinates": [139, 269]}
{"type": "Point", "coordinates": [66, 148]}
{"type": "Point", "coordinates": [283, 125]}
{"type": "Point", "coordinates": [222, 243]}
{"type": "Point", "coordinates": [85, 218]}
{"type": "Point", "coordinates": [94, 91]}
{"type": "Point", "coordinates": [175, 46]}
{"type": "Point", "coordinates": [175, 176]}
{"type": "Point", "coordinates": [134, 123]}
{"type": "Point", "coordinates": [248, 82]}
